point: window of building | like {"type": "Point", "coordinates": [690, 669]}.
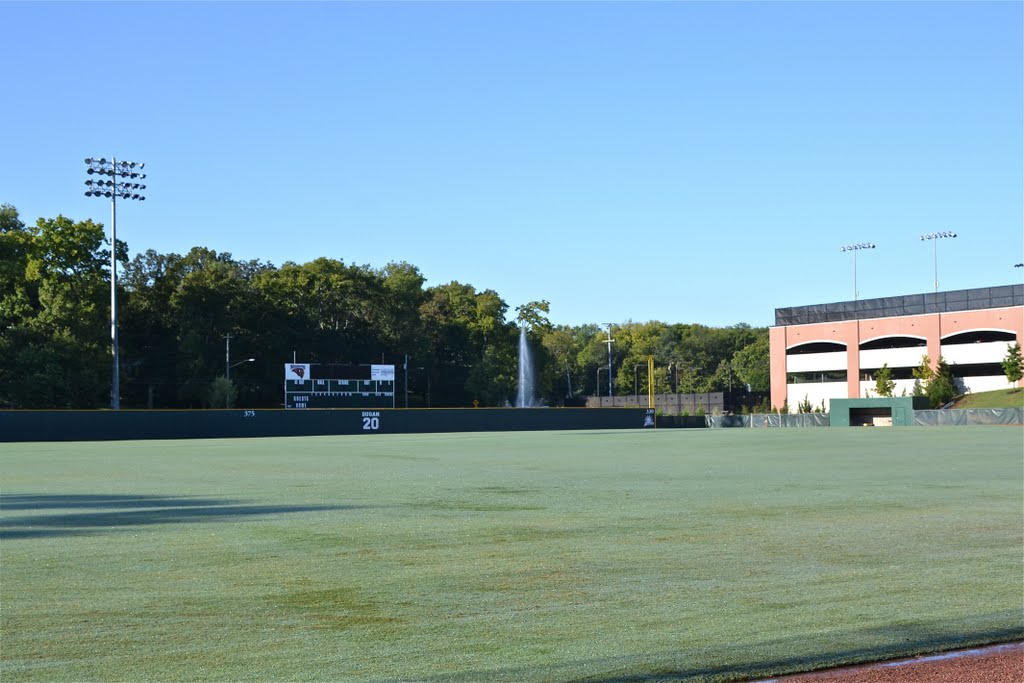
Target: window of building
{"type": "Point", "coordinates": [817, 376]}
{"type": "Point", "coordinates": [977, 370]}
{"type": "Point", "coordinates": [869, 374]}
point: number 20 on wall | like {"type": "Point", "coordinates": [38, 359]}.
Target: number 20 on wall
{"type": "Point", "coordinates": [371, 422]}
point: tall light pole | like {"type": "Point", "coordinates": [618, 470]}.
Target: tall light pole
{"type": "Point", "coordinates": [855, 248]}
{"type": "Point", "coordinates": [609, 341]}
{"type": "Point", "coordinates": [114, 188]}
{"type": "Point", "coordinates": [935, 237]}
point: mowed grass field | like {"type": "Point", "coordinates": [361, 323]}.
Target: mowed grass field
{"type": "Point", "coordinates": [621, 556]}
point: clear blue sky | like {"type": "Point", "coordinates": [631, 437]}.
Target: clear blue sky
{"type": "Point", "coordinates": [676, 161]}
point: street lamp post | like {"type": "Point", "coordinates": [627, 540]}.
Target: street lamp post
{"type": "Point", "coordinates": [227, 374]}
{"type": "Point", "coordinates": [935, 237]}
{"type": "Point", "coordinates": [227, 358]}
{"type": "Point", "coordinates": [114, 188]}
{"type": "Point", "coordinates": [855, 248]}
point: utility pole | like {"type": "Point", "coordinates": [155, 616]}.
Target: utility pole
{"type": "Point", "coordinates": [609, 341]}
{"type": "Point", "coordinates": [227, 356]}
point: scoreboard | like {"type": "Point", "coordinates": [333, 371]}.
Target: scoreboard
{"type": "Point", "coordinates": [312, 385]}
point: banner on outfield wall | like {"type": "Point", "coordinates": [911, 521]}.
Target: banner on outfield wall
{"type": "Point", "coordinates": [296, 372]}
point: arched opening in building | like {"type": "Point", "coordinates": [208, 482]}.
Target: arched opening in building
{"type": "Point", "coordinates": [893, 343]}
{"type": "Point", "coordinates": [979, 337]}
{"type": "Point", "coordinates": [815, 347]}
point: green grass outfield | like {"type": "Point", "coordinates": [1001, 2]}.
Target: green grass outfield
{"type": "Point", "coordinates": [625, 556]}
{"type": "Point", "coordinates": [1003, 398]}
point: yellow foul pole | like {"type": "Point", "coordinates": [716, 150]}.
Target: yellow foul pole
{"type": "Point", "coordinates": [650, 381]}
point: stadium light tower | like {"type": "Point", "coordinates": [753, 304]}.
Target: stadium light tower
{"type": "Point", "coordinates": [113, 187]}
{"type": "Point", "coordinates": [855, 248]}
{"type": "Point", "coordinates": [935, 237]}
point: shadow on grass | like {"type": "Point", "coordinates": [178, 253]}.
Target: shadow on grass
{"type": "Point", "coordinates": [119, 513]}
{"type": "Point", "coordinates": [53, 502]}
{"type": "Point", "coordinates": [761, 660]}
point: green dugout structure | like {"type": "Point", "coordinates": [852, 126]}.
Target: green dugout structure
{"type": "Point", "coordinates": [875, 412]}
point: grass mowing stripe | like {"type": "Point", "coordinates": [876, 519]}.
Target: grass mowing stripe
{"type": "Point", "coordinates": [646, 555]}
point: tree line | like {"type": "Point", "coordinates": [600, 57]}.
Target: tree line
{"type": "Point", "coordinates": [177, 314]}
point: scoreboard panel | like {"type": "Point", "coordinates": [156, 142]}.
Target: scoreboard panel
{"type": "Point", "coordinates": [309, 385]}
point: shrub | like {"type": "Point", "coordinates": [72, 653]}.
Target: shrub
{"type": "Point", "coordinates": [221, 393]}
{"type": "Point", "coordinates": [884, 385]}
{"type": "Point", "coordinates": [1013, 364]}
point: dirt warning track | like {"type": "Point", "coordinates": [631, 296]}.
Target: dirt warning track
{"type": "Point", "coordinates": [993, 664]}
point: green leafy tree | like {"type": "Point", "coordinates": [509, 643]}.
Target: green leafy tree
{"type": "Point", "coordinates": [884, 385]}
{"type": "Point", "coordinates": [636, 342]}
{"type": "Point", "coordinates": [534, 315]}
{"type": "Point", "coordinates": [175, 312]}
{"type": "Point", "coordinates": [492, 379]}
{"type": "Point", "coordinates": [55, 338]}
{"type": "Point", "coordinates": [149, 331]}
{"type": "Point", "coordinates": [563, 348]}
{"type": "Point", "coordinates": [935, 383]}
{"type": "Point", "coordinates": [208, 303]}
{"type": "Point", "coordinates": [752, 364]}
{"type": "Point", "coordinates": [942, 387]}
{"type": "Point", "coordinates": [398, 319]}
{"type": "Point", "coordinates": [923, 375]}
{"type": "Point", "coordinates": [447, 314]}
{"type": "Point", "coordinates": [594, 357]}
{"type": "Point", "coordinates": [488, 325]}
{"type": "Point", "coordinates": [1013, 364]}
